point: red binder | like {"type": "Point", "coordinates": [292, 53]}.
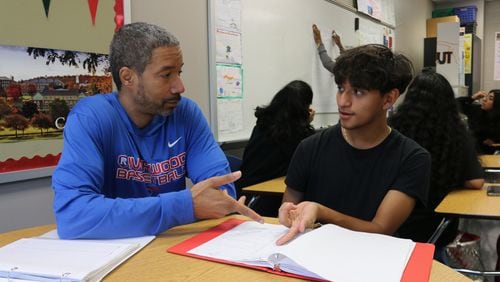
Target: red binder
{"type": "Point", "coordinates": [418, 267]}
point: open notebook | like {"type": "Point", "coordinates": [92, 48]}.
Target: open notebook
{"type": "Point", "coordinates": [47, 258]}
{"type": "Point", "coordinates": [327, 253]}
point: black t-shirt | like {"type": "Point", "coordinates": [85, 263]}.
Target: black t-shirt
{"type": "Point", "coordinates": [331, 172]}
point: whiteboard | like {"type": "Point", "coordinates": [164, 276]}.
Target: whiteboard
{"type": "Point", "coordinates": [277, 47]}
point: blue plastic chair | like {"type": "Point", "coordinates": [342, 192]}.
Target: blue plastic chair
{"type": "Point", "coordinates": [234, 162]}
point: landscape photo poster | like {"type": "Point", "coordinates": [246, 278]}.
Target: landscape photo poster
{"type": "Point", "coordinates": [38, 88]}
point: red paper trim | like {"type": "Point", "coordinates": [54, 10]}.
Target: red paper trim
{"type": "Point", "coordinates": [119, 17]}
{"type": "Point", "coordinates": [11, 165]}
{"type": "Point", "coordinates": [93, 9]}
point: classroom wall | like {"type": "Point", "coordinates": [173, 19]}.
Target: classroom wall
{"type": "Point", "coordinates": [491, 25]}
{"type": "Point", "coordinates": [411, 29]}
{"type": "Point", "coordinates": [25, 204]}
{"type": "Point", "coordinates": [68, 27]}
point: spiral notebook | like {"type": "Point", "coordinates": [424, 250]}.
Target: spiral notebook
{"type": "Point", "coordinates": [50, 259]}
{"type": "Point", "coordinates": [327, 253]}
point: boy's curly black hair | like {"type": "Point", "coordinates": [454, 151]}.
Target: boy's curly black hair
{"type": "Point", "coordinates": [373, 67]}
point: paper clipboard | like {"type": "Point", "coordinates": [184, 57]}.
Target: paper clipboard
{"type": "Point", "coordinates": [417, 269]}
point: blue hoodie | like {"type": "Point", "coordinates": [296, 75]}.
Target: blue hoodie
{"type": "Point", "coordinates": [116, 180]}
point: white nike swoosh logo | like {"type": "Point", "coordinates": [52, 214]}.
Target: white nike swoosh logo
{"type": "Point", "coordinates": [170, 145]}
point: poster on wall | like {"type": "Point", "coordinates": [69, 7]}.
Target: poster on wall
{"type": "Point", "coordinates": [228, 15]}
{"type": "Point", "coordinates": [496, 71]}
{"type": "Point", "coordinates": [228, 47]}
{"type": "Point", "coordinates": [372, 8]}
{"type": "Point", "coordinates": [230, 113]}
{"type": "Point", "coordinates": [229, 98]}
{"type": "Point", "coordinates": [229, 67]}
{"type": "Point", "coordinates": [467, 37]}
{"type": "Point", "coordinates": [448, 57]}
{"type": "Point", "coordinates": [38, 88]}
{"type": "Point", "coordinates": [229, 81]}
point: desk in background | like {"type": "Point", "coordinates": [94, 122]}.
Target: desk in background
{"type": "Point", "coordinates": [490, 161]}
{"type": "Point", "coordinates": [275, 186]}
{"type": "Point", "coordinates": [153, 263]}
{"type": "Point", "coordinates": [470, 203]}
{"type": "Point", "coordinates": [491, 166]}
{"type": "Point", "coordinates": [467, 203]}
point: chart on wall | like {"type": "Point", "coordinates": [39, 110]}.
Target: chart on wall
{"type": "Point", "coordinates": [382, 10]}
{"type": "Point", "coordinates": [496, 72]}
{"type": "Point", "coordinates": [229, 72]}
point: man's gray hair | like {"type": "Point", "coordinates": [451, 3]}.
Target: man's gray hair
{"type": "Point", "coordinates": [132, 46]}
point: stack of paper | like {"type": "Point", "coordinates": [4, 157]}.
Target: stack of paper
{"type": "Point", "coordinates": [47, 259]}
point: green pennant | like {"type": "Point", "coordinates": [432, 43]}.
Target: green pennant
{"type": "Point", "coordinates": [46, 5]}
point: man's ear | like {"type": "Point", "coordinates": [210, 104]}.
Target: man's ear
{"type": "Point", "coordinates": [390, 98]}
{"type": "Point", "coordinates": [127, 76]}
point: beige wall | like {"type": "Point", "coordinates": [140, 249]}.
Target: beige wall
{"type": "Point", "coordinates": [68, 27]}
{"type": "Point", "coordinates": [411, 29]}
{"type": "Point", "coordinates": [188, 20]}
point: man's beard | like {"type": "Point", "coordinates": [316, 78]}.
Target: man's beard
{"type": "Point", "coordinates": [150, 106]}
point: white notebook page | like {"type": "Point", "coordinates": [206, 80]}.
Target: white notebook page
{"type": "Point", "coordinates": [331, 252]}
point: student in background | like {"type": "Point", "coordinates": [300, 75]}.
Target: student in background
{"type": "Point", "coordinates": [126, 155]}
{"type": "Point", "coordinates": [429, 115]}
{"type": "Point", "coordinates": [484, 120]}
{"type": "Point", "coordinates": [359, 174]}
{"type": "Point", "coordinates": [280, 127]}
{"type": "Point", "coordinates": [326, 60]}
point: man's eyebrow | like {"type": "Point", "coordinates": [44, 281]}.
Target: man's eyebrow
{"type": "Point", "coordinates": [168, 67]}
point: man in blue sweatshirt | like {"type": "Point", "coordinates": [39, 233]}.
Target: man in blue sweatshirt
{"type": "Point", "coordinates": [126, 155]}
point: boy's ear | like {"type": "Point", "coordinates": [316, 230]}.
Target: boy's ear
{"type": "Point", "coordinates": [390, 98]}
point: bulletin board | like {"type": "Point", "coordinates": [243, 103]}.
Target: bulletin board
{"type": "Point", "coordinates": [57, 25]}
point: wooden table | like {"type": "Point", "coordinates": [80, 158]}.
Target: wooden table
{"type": "Point", "coordinates": [467, 203]}
{"type": "Point", "coordinates": [470, 203]}
{"type": "Point", "coordinates": [490, 161]}
{"type": "Point", "coordinates": [153, 263]}
{"type": "Point", "coordinates": [275, 186]}
{"type": "Point", "coordinates": [491, 166]}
